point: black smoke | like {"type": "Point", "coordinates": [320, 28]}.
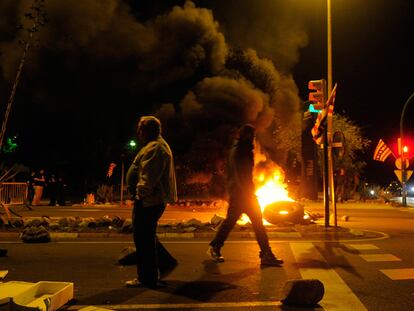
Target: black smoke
{"type": "Point", "coordinates": [98, 65]}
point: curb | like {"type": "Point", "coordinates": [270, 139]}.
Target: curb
{"type": "Point", "coordinates": [68, 236]}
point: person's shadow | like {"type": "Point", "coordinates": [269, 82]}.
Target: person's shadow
{"type": "Point", "coordinates": [205, 287]}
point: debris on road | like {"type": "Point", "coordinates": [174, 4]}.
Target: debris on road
{"type": "Point", "coordinates": [302, 292]}
{"type": "Point", "coordinates": [28, 296]}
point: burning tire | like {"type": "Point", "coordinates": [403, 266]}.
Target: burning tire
{"type": "Point", "coordinates": [284, 211]}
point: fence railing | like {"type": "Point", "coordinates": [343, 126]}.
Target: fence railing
{"type": "Point", "coordinates": [13, 192]}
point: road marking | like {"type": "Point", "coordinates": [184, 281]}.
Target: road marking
{"type": "Point", "coordinates": [186, 305]}
{"type": "Point", "coordinates": [199, 241]}
{"type": "Point", "coordinates": [83, 210]}
{"type": "Point", "coordinates": [338, 296]}
{"type": "Point", "coordinates": [379, 257]}
{"type": "Point", "coordinates": [399, 274]}
{"type": "Point", "coordinates": [284, 235]}
{"type": "Point", "coordinates": [362, 246]}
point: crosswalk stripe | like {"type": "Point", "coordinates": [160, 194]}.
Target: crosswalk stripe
{"type": "Point", "coordinates": [362, 247]}
{"type": "Point", "coordinates": [399, 274]}
{"type": "Point", "coordinates": [379, 257]}
{"type": "Point", "coordinates": [338, 296]}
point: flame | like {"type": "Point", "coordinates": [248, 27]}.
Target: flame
{"type": "Point", "coordinates": [268, 178]}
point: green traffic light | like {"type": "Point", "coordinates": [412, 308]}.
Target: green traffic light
{"type": "Point", "coordinates": [312, 109]}
{"type": "Point", "coordinates": [132, 143]}
{"type": "Point", "coordinates": [10, 145]}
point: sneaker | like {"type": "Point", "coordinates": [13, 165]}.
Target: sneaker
{"type": "Point", "coordinates": [268, 259]}
{"type": "Point", "coordinates": [133, 283]}
{"type": "Point", "coordinates": [137, 284]}
{"type": "Point", "coordinates": [214, 253]}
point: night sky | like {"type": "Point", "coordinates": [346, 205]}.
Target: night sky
{"type": "Point", "coordinates": [99, 65]}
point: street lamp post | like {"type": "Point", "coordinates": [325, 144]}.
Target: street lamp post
{"type": "Point", "coordinates": [330, 125]}
{"type": "Point", "coordinates": [403, 168]}
{"type": "Point", "coordinates": [329, 42]}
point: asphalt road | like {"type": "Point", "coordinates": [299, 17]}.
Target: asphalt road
{"type": "Point", "coordinates": [375, 274]}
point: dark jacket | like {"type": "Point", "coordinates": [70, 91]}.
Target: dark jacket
{"type": "Point", "coordinates": [240, 169]}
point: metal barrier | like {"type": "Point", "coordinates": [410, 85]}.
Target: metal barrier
{"type": "Point", "coordinates": [13, 192]}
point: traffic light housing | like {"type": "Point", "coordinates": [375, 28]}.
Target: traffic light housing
{"type": "Point", "coordinates": [402, 149]}
{"type": "Point", "coordinates": [405, 149]}
{"type": "Point", "coordinates": [317, 97]}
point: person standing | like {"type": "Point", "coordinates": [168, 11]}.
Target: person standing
{"type": "Point", "coordinates": [30, 189]}
{"type": "Point", "coordinates": [60, 191]}
{"type": "Point", "coordinates": [52, 188]}
{"type": "Point", "coordinates": [39, 183]}
{"type": "Point", "coordinates": [151, 181]}
{"type": "Point", "coordinates": [242, 199]}
{"type": "Point", "coordinates": [340, 185]}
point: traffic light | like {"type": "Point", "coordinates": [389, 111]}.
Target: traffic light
{"type": "Point", "coordinates": [318, 97]}
{"type": "Point", "coordinates": [405, 149]}
{"type": "Point", "coordinates": [402, 149]}
{"type": "Point", "coordinates": [132, 144]}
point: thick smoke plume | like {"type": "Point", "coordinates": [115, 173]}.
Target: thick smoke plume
{"type": "Point", "coordinates": [97, 67]}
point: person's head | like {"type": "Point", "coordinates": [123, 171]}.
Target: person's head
{"type": "Point", "coordinates": [149, 128]}
{"type": "Point", "coordinates": [247, 133]}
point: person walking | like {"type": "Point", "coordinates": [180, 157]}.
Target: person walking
{"type": "Point", "coordinates": [242, 199]}
{"type": "Point", "coordinates": [39, 183]}
{"type": "Point", "coordinates": [152, 183]}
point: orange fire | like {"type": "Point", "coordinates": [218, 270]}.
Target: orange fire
{"type": "Point", "coordinates": [268, 178]}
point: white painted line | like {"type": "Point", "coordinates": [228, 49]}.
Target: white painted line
{"type": "Point", "coordinates": [399, 274]}
{"type": "Point", "coordinates": [83, 210]}
{"type": "Point", "coordinates": [284, 235]}
{"type": "Point", "coordinates": [362, 246]}
{"type": "Point", "coordinates": [379, 257]}
{"type": "Point", "coordinates": [186, 305]}
{"type": "Point", "coordinates": [338, 296]}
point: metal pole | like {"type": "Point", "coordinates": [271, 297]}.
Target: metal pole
{"type": "Point", "coordinates": [122, 181]}
{"type": "Point", "coordinates": [329, 125]}
{"type": "Point", "coordinates": [329, 41]}
{"type": "Point", "coordinates": [403, 168]}
{"type": "Point", "coordinates": [325, 178]}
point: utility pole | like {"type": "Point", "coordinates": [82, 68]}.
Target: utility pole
{"type": "Point", "coordinates": [403, 159]}
{"type": "Point", "coordinates": [329, 121]}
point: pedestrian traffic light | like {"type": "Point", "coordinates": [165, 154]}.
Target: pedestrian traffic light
{"type": "Point", "coordinates": [318, 97]}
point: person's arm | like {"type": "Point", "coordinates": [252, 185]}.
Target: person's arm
{"type": "Point", "coordinates": [152, 165]}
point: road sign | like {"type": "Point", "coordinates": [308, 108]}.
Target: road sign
{"type": "Point", "coordinates": [399, 174]}
{"type": "Point", "coordinates": [398, 163]}
{"type": "Point", "coordinates": [338, 143]}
